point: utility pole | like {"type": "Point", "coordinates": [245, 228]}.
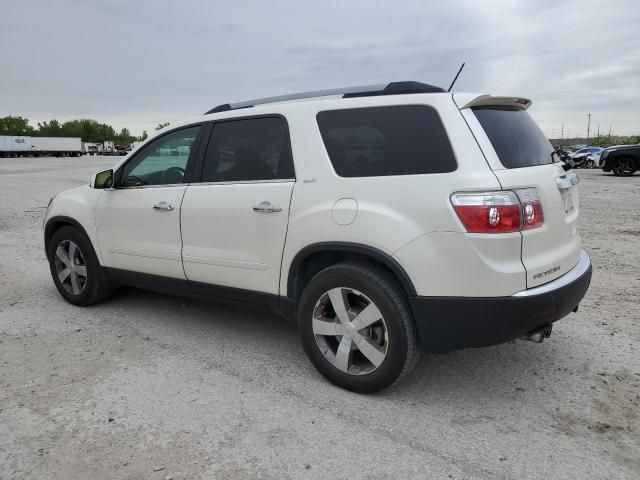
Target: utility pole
{"type": "Point", "coordinates": [562, 134]}
{"type": "Point", "coordinates": [609, 134]}
{"type": "Point", "coordinates": [598, 133]}
{"type": "Point", "coordinates": [588, 126]}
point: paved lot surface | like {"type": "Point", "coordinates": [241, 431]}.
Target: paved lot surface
{"type": "Point", "coordinates": [151, 386]}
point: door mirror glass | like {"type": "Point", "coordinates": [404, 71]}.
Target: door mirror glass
{"type": "Point", "coordinates": [103, 179]}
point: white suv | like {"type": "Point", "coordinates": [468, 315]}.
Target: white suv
{"type": "Point", "coordinates": [384, 220]}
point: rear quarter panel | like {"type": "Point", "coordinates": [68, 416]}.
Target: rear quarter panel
{"type": "Point", "coordinates": [408, 217]}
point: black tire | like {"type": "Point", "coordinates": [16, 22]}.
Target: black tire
{"type": "Point", "coordinates": [96, 287]}
{"type": "Point", "coordinates": [402, 347]}
{"type": "Point", "coordinates": [624, 167]}
{"type": "Point", "coordinates": [589, 164]}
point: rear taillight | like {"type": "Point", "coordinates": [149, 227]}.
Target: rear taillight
{"type": "Point", "coordinates": [490, 212]}
{"type": "Point", "coordinates": [499, 212]}
{"type": "Point", "coordinates": [532, 216]}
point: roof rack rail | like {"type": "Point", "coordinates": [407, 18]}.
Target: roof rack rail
{"type": "Point", "coordinates": [393, 88]}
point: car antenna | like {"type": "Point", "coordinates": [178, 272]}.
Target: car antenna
{"type": "Point", "coordinates": [456, 77]}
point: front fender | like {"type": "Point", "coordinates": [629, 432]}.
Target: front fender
{"type": "Point", "coordinates": [74, 207]}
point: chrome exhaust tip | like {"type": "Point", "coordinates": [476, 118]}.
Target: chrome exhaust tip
{"type": "Point", "coordinates": [539, 334]}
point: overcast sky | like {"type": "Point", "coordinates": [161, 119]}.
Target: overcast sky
{"type": "Point", "coordinates": [138, 63]}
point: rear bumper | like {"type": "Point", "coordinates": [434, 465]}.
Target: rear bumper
{"type": "Point", "coordinates": [450, 323]}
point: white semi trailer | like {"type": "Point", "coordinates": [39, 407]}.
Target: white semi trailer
{"type": "Point", "coordinates": [57, 146]}
{"type": "Point", "coordinates": [14, 146]}
{"type": "Point", "coordinates": [22, 146]}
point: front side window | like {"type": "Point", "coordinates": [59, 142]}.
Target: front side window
{"type": "Point", "coordinates": [162, 162]}
{"type": "Point", "coordinates": [383, 141]}
{"type": "Point", "coordinates": [248, 150]}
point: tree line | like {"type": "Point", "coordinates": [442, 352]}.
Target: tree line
{"type": "Point", "coordinates": [87, 129]}
{"type": "Point", "coordinates": [598, 141]}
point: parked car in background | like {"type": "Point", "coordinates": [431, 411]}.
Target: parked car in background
{"type": "Point", "coordinates": [622, 160]}
{"type": "Point", "coordinates": [122, 149]}
{"type": "Point", "coordinates": [593, 160]}
{"type": "Point", "coordinates": [581, 157]}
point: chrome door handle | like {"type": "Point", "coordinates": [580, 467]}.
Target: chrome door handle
{"type": "Point", "coordinates": [164, 206]}
{"type": "Point", "coordinates": [267, 207]}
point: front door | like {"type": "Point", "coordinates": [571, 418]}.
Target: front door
{"type": "Point", "coordinates": [234, 222]}
{"type": "Point", "coordinates": [138, 221]}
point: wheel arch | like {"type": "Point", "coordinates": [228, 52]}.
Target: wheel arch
{"type": "Point", "coordinates": [56, 223]}
{"type": "Point", "coordinates": [313, 258]}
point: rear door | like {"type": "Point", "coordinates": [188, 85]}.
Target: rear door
{"type": "Point", "coordinates": [234, 221]}
{"type": "Point", "coordinates": [521, 157]}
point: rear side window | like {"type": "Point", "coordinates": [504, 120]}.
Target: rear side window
{"type": "Point", "coordinates": [383, 141]}
{"type": "Point", "coordinates": [247, 150]}
{"type": "Point", "coordinates": [515, 137]}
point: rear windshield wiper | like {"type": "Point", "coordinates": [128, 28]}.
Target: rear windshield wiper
{"type": "Point", "coordinates": [567, 164]}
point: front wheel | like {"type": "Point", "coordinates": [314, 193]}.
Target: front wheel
{"type": "Point", "coordinates": [75, 269]}
{"type": "Point", "coordinates": [589, 164]}
{"type": "Point", "coordinates": [356, 327]}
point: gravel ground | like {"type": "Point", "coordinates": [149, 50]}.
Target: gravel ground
{"type": "Point", "coordinates": [155, 387]}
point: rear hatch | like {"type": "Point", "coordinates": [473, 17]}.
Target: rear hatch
{"type": "Point", "coordinates": [521, 157]}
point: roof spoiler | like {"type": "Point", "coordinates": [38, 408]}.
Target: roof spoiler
{"type": "Point", "coordinates": [489, 101]}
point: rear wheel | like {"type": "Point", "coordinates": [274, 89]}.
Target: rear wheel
{"type": "Point", "coordinates": [75, 268]}
{"type": "Point", "coordinates": [624, 167]}
{"type": "Point", "coordinates": [356, 327]}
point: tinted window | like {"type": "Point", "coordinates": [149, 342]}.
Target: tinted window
{"type": "Point", "coordinates": [382, 141]}
{"type": "Point", "coordinates": [515, 137]}
{"type": "Point", "coordinates": [248, 149]}
{"type": "Point", "coordinates": [162, 162]}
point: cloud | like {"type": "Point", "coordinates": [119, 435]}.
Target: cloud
{"type": "Point", "coordinates": [138, 63]}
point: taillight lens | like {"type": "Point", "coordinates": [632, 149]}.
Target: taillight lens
{"type": "Point", "coordinates": [490, 212]}
{"type": "Point", "coordinates": [499, 212]}
{"type": "Point", "coordinates": [532, 216]}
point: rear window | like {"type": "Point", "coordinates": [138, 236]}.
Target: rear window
{"type": "Point", "coordinates": [515, 137]}
{"type": "Point", "coordinates": [383, 141]}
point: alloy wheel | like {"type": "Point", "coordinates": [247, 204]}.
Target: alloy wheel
{"type": "Point", "coordinates": [350, 331]}
{"type": "Point", "coordinates": [71, 267]}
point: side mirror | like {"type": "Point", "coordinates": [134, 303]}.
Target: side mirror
{"type": "Point", "coordinates": [103, 180]}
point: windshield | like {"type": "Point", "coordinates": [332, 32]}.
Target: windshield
{"type": "Point", "coordinates": [515, 137]}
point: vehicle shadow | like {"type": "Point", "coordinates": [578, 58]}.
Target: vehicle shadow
{"type": "Point", "coordinates": [252, 335]}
